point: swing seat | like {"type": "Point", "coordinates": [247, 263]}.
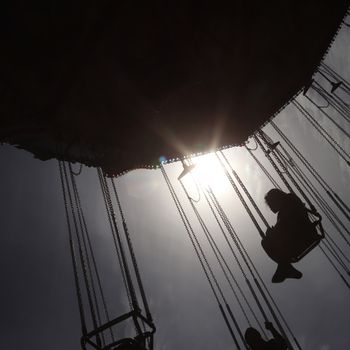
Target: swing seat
{"type": "Point", "coordinates": [309, 242]}
{"type": "Point", "coordinates": [291, 244]}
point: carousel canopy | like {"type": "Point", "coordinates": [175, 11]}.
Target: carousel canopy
{"type": "Point", "coordinates": [119, 84]}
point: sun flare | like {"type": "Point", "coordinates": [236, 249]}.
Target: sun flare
{"type": "Point", "coordinates": [209, 173]}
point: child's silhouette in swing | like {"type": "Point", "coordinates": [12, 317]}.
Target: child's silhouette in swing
{"type": "Point", "coordinates": [292, 231]}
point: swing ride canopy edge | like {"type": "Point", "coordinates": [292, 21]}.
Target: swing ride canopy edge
{"type": "Point", "coordinates": [121, 88]}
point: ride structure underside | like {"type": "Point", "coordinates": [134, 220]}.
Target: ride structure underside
{"type": "Point", "coordinates": [117, 86]}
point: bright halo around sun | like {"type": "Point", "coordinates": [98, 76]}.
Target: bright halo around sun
{"type": "Point", "coordinates": [209, 173]}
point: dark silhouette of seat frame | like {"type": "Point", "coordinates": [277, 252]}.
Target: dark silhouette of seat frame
{"type": "Point", "coordinates": [137, 318]}
{"type": "Point", "coordinates": [315, 242]}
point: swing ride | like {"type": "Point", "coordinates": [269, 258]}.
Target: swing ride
{"type": "Point", "coordinates": [146, 87]}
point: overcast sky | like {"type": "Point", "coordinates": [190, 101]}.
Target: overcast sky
{"type": "Point", "coordinates": [37, 300]}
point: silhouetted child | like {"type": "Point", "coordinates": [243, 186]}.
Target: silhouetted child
{"type": "Point", "coordinates": [256, 342]}
{"type": "Point", "coordinates": [292, 231]}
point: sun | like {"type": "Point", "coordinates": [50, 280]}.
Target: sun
{"type": "Point", "coordinates": [209, 173]}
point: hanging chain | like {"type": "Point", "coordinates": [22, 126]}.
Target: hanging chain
{"type": "Point", "coordinates": [268, 175]}
{"type": "Point", "coordinates": [218, 255]}
{"type": "Point", "coordinates": [124, 266]}
{"type": "Point", "coordinates": [331, 193]}
{"type": "Point", "coordinates": [84, 229]}
{"type": "Point", "coordinates": [82, 257]}
{"type": "Point", "coordinates": [245, 256]}
{"type": "Point", "coordinates": [236, 189]}
{"type": "Point", "coordinates": [264, 137]}
{"type": "Point", "coordinates": [230, 271]}
{"type": "Point", "coordinates": [322, 131]}
{"type": "Point", "coordinates": [343, 112]}
{"type": "Point", "coordinates": [335, 267]}
{"type": "Point", "coordinates": [278, 171]}
{"type": "Point", "coordinates": [94, 305]}
{"type": "Point", "coordinates": [114, 235]}
{"type": "Point", "coordinates": [73, 255]}
{"type": "Point", "coordinates": [245, 190]}
{"type": "Point", "coordinates": [328, 117]}
{"type": "Point", "coordinates": [132, 254]}
{"type": "Point", "coordinates": [335, 75]}
{"type": "Point", "coordinates": [202, 259]}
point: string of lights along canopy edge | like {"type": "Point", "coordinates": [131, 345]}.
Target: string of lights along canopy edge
{"type": "Point", "coordinates": [118, 86]}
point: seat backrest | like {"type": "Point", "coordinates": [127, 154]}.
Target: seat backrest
{"type": "Point", "coordinates": [313, 239]}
